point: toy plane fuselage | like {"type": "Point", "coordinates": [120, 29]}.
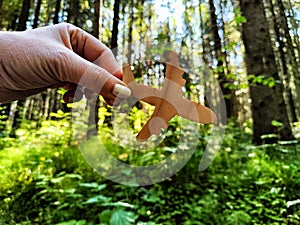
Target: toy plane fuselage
{"type": "Point", "coordinates": [168, 101]}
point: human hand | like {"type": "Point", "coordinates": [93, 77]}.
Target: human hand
{"type": "Point", "coordinates": [57, 56]}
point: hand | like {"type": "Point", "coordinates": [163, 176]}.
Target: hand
{"type": "Point", "coordinates": [57, 56]}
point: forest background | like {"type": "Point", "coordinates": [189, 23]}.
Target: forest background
{"type": "Point", "coordinates": [252, 48]}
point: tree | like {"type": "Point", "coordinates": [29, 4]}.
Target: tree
{"type": "Point", "coordinates": [130, 30]}
{"type": "Point", "coordinates": [37, 14]}
{"type": "Point", "coordinates": [202, 33]}
{"type": "Point", "coordinates": [56, 12]}
{"type": "Point", "coordinates": [73, 12]}
{"type": "Point", "coordinates": [94, 106]}
{"type": "Point", "coordinates": [285, 52]}
{"type": "Point", "coordinates": [220, 56]}
{"type": "Point", "coordinates": [4, 115]}
{"type": "Point", "coordinates": [23, 18]}
{"type": "Point", "coordinates": [290, 53]}
{"type": "Point", "coordinates": [268, 106]}
{"type": "Point", "coordinates": [115, 30]}
{"type": "Point", "coordinates": [97, 23]}
{"type": "Point", "coordinates": [1, 13]}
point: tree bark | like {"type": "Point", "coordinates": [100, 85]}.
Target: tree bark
{"type": "Point", "coordinates": [18, 117]}
{"type": "Point", "coordinates": [37, 14]}
{"type": "Point", "coordinates": [23, 18]}
{"type": "Point", "coordinates": [1, 13]}
{"type": "Point", "coordinates": [220, 57]}
{"type": "Point", "coordinates": [97, 22]}
{"type": "Point", "coordinates": [267, 103]}
{"type": "Point", "coordinates": [284, 57]}
{"type": "Point", "coordinates": [73, 12]}
{"type": "Point", "coordinates": [91, 105]}
{"type": "Point", "coordinates": [202, 34]}
{"type": "Point", "coordinates": [56, 12]}
{"type": "Point", "coordinates": [130, 30]}
{"type": "Point", "coordinates": [115, 30]}
{"type": "Point", "coordinates": [290, 52]}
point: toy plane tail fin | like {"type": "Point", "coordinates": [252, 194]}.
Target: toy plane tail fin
{"type": "Point", "coordinates": [127, 74]}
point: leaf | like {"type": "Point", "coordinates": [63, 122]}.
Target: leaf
{"type": "Point", "coordinates": [73, 176]}
{"type": "Point", "coordinates": [121, 217]}
{"type": "Point", "coordinates": [238, 18]}
{"type": "Point", "coordinates": [276, 123]}
{"type": "Point", "coordinates": [60, 179]}
{"type": "Point", "coordinates": [267, 136]}
{"type": "Point", "coordinates": [272, 83]}
{"type": "Point", "coordinates": [105, 216]}
{"type": "Point", "coordinates": [151, 198]}
{"type": "Point", "coordinates": [93, 185]}
{"type": "Point", "coordinates": [70, 222]}
{"type": "Point", "coordinates": [96, 199]}
{"type": "Point", "coordinates": [81, 222]}
{"type": "Point", "coordinates": [73, 222]}
{"type": "Point", "coordinates": [56, 180]}
{"type": "Point", "coordinates": [170, 149]}
{"type": "Point", "coordinates": [146, 223]}
{"type": "Point", "coordinates": [118, 204]}
{"type": "Point", "coordinates": [294, 202]}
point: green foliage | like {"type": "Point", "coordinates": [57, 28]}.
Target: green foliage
{"type": "Point", "coordinates": [45, 180]}
{"type": "Point", "coordinates": [73, 222]}
{"type": "Point", "coordinates": [238, 18]}
{"type": "Point", "coordinates": [262, 79]}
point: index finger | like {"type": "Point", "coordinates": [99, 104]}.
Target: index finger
{"type": "Point", "coordinates": [90, 48]}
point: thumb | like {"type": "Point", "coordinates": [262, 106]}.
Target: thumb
{"type": "Point", "coordinates": [73, 68]}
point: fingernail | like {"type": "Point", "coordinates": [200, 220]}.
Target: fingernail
{"type": "Point", "coordinates": [121, 91]}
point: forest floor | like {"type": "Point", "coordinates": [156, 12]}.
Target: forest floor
{"type": "Point", "coordinates": [44, 179]}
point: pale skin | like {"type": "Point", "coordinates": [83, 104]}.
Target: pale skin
{"type": "Point", "coordinates": [57, 56]}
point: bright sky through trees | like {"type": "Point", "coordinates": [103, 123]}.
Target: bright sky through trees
{"type": "Point", "coordinates": [170, 9]}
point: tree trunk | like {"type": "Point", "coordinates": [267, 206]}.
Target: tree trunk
{"type": "Point", "coordinates": [220, 57]}
{"type": "Point", "coordinates": [267, 103]}
{"type": "Point", "coordinates": [56, 12]}
{"type": "Point", "coordinates": [130, 30]}
{"type": "Point", "coordinates": [202, 31]}
{"type": "Point", "coordinates": [73, 11]}
{"type": "Point", "coordinates": [1, 13]}
{"type": "Point", "coordinates": [18, 117]}
{"type": "Point", "coordinates": [115, 30]}
{"type": "Point", "coordinates": [283, 58]}
{"type": "Point", "coordinates": [294, 27]}
{"type": "Point", "coordinates": [23, 18]}
{"type": "Point", "coordinates": [97, 22]}
{"type": "Point", "coordinates": [91, 105]}
{"type": "Point", "coordinates": [4, 115]}
{"type": "Point", "coordinates": [290, 52]}
{"type": "Point", "coordinates": [37, 14]}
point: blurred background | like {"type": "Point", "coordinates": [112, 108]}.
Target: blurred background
{"type": "Point", "coordinates": [250, 47]}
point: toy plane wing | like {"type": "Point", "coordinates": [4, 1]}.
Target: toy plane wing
{"type": "Point", "coordinates": [173, 71]}
{"type": "Point", "coordinates": [158, 120]}
{"type": "Point", "coordinates": [168, 101]}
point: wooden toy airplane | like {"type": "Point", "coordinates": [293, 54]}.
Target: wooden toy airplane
{"type": "Point", "coordinates": [168, 101]}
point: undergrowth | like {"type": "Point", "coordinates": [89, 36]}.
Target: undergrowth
{"type": "Point", "coordinates": [44, 179]}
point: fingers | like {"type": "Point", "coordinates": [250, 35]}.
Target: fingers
{"type": "Point", "coordinates": [88, 93]}
{"type": "Point", "coordinates": [69, 86]}
{"type": "Point", "coordinates": [93, 50]}
{"type": "Point", "coordinates": [72, 68]}
{"type": "Point", "coordinates": [73, 95]}
{"type": "Point", "coordinates": [76, 94]}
